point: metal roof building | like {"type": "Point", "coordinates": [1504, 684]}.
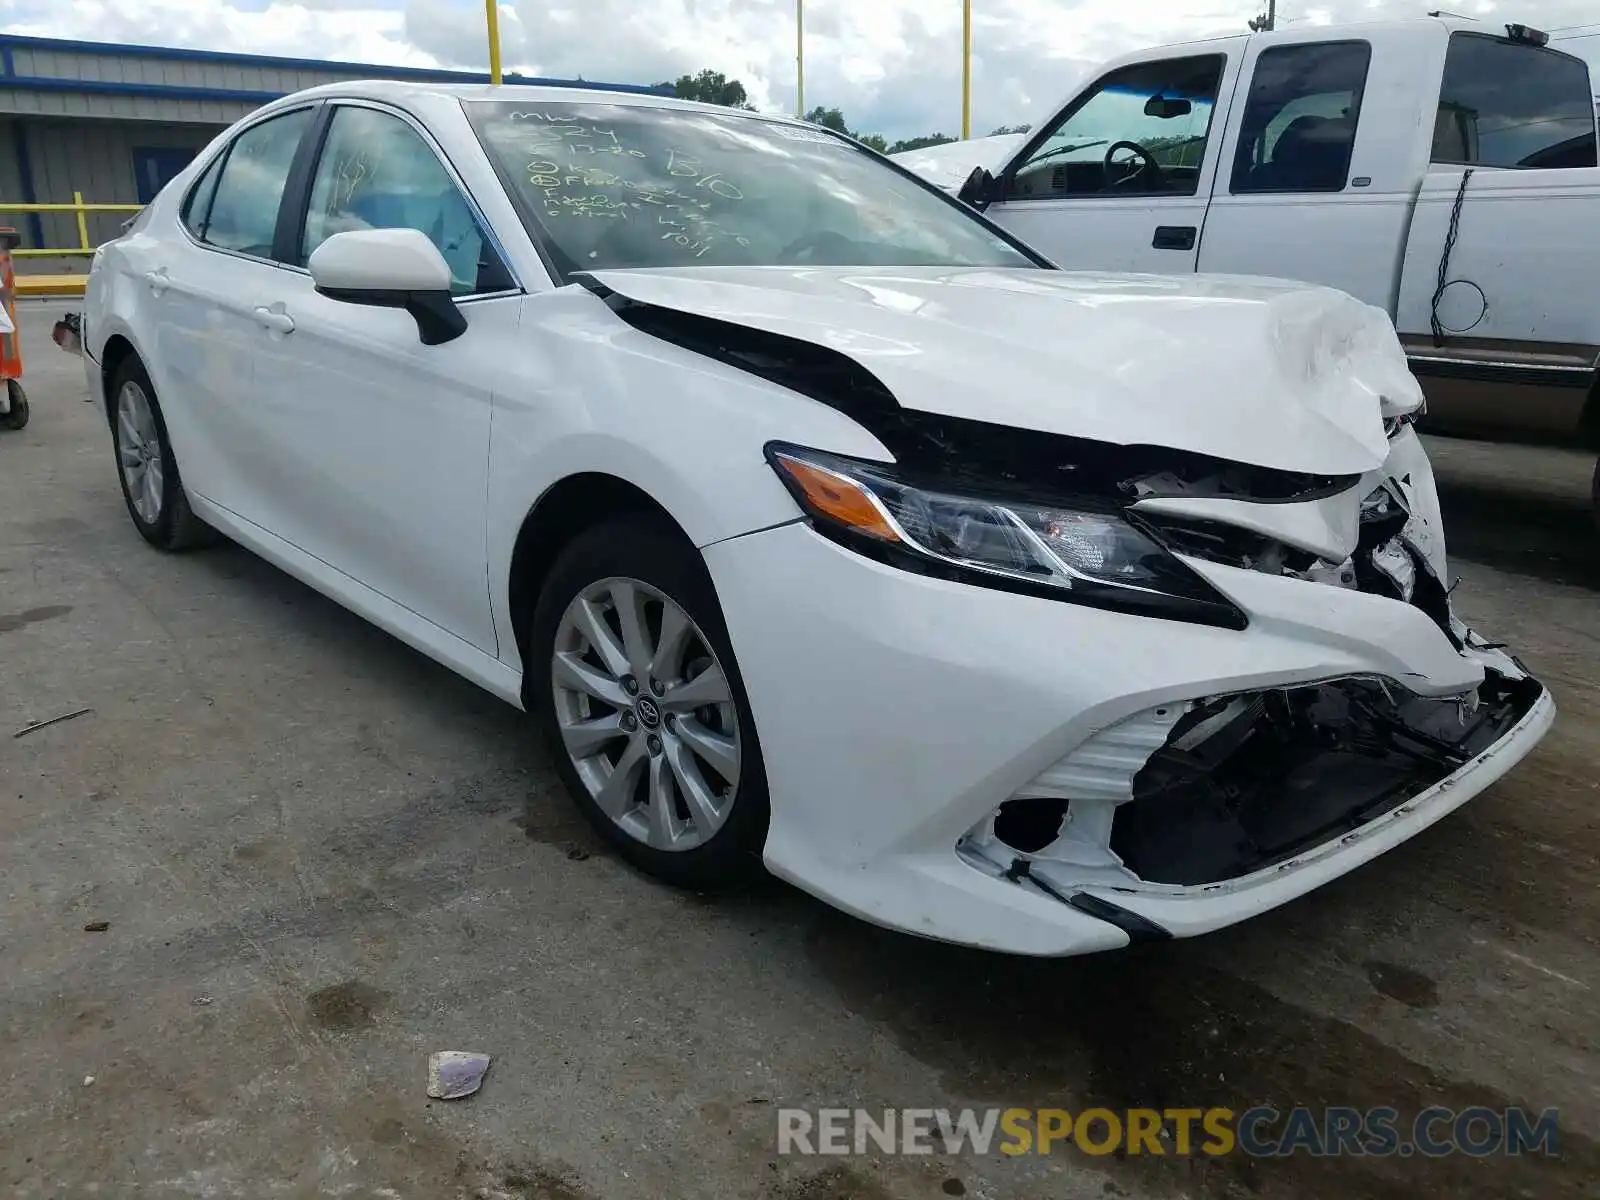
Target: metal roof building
{"type": "Point", "coordinates": [115, 123]}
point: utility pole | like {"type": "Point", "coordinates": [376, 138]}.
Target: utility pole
{"type": "Point", "coordinates": [1267, 21]}
{"type": "Point", "coordinates": [492, 13]}
{"type": "Point", "coordinates": [800, 58]}
{"type": "Point", "coordinates": [966, 69]}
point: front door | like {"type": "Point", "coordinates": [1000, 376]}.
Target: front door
{"type": "Point", "coordinates": [1120, 180]}
{"type": "Point", "coordinates": [382, 443]}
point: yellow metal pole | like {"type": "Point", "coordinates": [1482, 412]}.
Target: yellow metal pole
{"type": "Point", "coordinates": [799, 58]}
{"type": "Point", "coordinates": [491, 10]}
{"type": "Point", "coordinates": [966, 69]}
{"type": "Point", "coordinates": [83, 222]}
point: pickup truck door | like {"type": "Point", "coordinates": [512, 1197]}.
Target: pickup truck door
{"type": "Point", "coordinates": [1119, 180]}
{"type": "Point", "coordinates": [1319, 161]}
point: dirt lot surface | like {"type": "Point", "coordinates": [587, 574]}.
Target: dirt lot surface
{"type": "Point", "coordinates": [320, 857]}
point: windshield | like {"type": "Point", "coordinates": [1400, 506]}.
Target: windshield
{"type": "Point", "coordinates": [616, 185]}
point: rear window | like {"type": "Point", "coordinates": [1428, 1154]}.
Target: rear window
{"type": "Point", "coordinates": [1511, 104]}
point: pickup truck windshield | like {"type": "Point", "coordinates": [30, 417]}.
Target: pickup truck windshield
{"type": "Point", "coordinates": [624, 185]}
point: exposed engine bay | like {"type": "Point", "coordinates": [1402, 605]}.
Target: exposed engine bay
{"type": "Point", "coordinates": [1245, 781]}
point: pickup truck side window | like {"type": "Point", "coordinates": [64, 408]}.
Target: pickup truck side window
{"type": "Point", "coordinates": [1299, 126]}
{"type": "Point", "coordinates": [1513, 104]}
{"type": "Point", "coordinates": [1139, 131]}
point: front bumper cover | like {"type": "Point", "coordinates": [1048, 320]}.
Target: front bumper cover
{"type": "Point", "coordinates": [896, 712]}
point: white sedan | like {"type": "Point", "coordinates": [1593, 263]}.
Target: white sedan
{"type": "Point", "coordinates": [818, 522]}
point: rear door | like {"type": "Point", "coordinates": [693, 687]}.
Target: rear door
{"type": "Point", "coordinates": [1121, 178]}
{"type": "Point", "coordinates": [203, 304]}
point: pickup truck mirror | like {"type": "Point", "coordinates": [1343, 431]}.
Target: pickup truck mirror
{"type": "Point", "coordinates": [979, 188]}
{"type": "Point", "coordinates": [1165, 108]}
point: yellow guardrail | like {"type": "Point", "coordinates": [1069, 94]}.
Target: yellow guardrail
{"type": "Point", "coordinates": [78, 207]}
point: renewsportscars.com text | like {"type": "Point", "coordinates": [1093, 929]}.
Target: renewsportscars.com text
{"type": "Point", "coordinates": [1261, 1131]}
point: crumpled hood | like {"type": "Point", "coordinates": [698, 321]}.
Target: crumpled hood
{"type": "Point", "coordinates": [1263, 372]}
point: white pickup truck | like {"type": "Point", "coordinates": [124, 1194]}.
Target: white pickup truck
{"type": "Point", "coordinates": [1445, 171]}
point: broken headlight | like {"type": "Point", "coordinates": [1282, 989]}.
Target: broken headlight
{"type": "Point", "coordinates": [1089, 554]}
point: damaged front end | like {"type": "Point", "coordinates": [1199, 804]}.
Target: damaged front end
{"type": "Point", "coordinates": [1333, 728]}
{"type": "Point", "coordinates": [1205, 791]}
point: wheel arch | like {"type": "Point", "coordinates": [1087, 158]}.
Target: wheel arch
{"type": "Point", "coordinates": [1589, 421]}
{"type": "Point", "coordinates": [568, 507]}
{"type": "Point", "coordinates": [118, 349]}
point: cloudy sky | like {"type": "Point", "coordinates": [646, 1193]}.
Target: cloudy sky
{"type": "Point", "coordinates": [893, 66]}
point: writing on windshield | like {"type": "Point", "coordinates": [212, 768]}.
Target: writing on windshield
{"type": "Point", "coordinates": [626, 185]}
{"type": "Point", "coordinates": [582, 170]}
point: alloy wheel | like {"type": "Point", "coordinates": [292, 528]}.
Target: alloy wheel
{"type": "Point", "coordinates": [646, 714]}
{"type": "Point", "coordinates": [139, 452]}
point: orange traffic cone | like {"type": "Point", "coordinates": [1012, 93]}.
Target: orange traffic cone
{"type": "Point", "coordinates": [14, 411]}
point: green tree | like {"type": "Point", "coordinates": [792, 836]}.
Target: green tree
{"type": "Point", "coordinates": [711, 87]}
{"type": "Point", "coordinates": [1003, 129]}
{"type": "Point", "coordinates": [829, 118]}
{"type": "Point", "coordinates": [920, 143]}
{"type": "Point", "coordinates": [875, 140]}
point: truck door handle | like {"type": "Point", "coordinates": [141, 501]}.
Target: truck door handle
{"type": "Point", "coordinates": [158, 280]}
{"type": "Point", "coordinates": [275, 318]}
{"type": "Point", "coordinates": [1175, 237]}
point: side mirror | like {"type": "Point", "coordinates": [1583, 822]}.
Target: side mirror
{"type": "Point", "coordinates": [1163, 108]}
{"type": "Point", "coordinates": [979, 189]}
{"type": "Point", "coordinates": [391, 268]}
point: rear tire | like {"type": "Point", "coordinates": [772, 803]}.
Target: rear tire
{"type": "Point", "coordinates": [17, 416]}
{"type": "Point", "coordinates": [151, 485]}
{"type": "Point", "coordinates": [647, 759]}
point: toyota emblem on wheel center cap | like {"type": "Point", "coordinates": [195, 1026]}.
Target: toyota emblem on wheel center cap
{"type": "Point", "coordinates": [649, 712]}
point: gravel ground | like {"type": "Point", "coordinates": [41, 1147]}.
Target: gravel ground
{"type": "Point", "coordinates": [321, 857]}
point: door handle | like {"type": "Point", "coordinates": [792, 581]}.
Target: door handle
{"type": "Point", "coordinates": [1175, 237]}
{"type": "Point", "coordinates": [275, 319]}
{"type": "Point", "coordinates": [158, 280]}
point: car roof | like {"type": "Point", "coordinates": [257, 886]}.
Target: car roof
{"type": "Point", "coordinates": [400, 91]}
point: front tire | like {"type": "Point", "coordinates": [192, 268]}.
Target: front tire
{"type": "Point", "coordinates": [634, 686]}
{"type": "Point", "coordinates": [151, 486]}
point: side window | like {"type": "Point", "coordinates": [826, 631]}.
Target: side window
{"type": "Point", "coordinates": [1141, 131]}
{"type": "Point", "coordinates": [197, 206]}
{"type": "Point", "coordinates": [1299, 126]}
{"type": "Point", "coordinates": [243, 212]}
{"type": "Point", "coordinates": [1512, 104]}
{"type": "Point", "coordinates": [376, 172]}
